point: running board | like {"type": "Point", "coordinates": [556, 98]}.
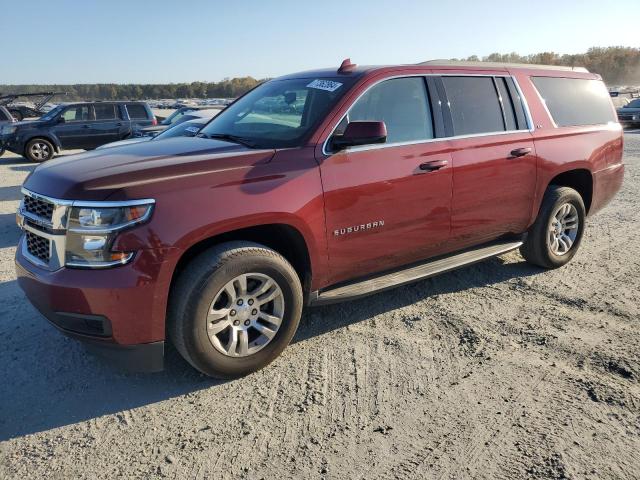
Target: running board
{"type": "Point", "coordinates": [411, 274]}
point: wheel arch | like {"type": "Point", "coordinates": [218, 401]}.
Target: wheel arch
{"type": "Point", "coordinates": [284, 238]}
{"type": "Point", "coordinates": [580, 179]}
{"type": "Point", "coordinates": [49, 138]}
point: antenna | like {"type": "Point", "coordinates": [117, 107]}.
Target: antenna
{"type": "Point", "coordinates": [346, 66]}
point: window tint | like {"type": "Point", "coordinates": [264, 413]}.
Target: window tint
{"type": "Point", "coordinates": [575, 101]}
{"type": "Point", "coordinates": [137, 111]}
{"type": "Point", "coordinates": [401, 103]}
{"type": "Point", "coordinates": [78, 113]}
{"type": "Point", "coordinates": [507, 104]}
{"type": "Point", "coordinates": [474, 103]}
{"type": "Point", "coordinates": [105, 111]}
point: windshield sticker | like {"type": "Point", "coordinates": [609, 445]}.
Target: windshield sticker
{"type": "Point", "coordinates": [328, 85]}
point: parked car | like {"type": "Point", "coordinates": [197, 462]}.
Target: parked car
{"type": "Point", "coordinates": [22, 111]}
{"type": "Point", "coordinates": [185, 129]}
{"type": "Point", "coordinates": [629, 115]}
{"type": "Point", "coordinates": [5, 119]}
{"type": "Point", "coordinates": [84, 125]}
{"type": "Point", "coordinates": [219, 241]}
{"type": "Point", "coordinates": [183, 114]}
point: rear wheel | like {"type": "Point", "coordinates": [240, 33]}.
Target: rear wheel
{"type": "Point", "coordinates": [39, 150]}
{"type": "Point", "coordinates": [234, 309]}
{"type": "Point", "coordinates": [555, 236]}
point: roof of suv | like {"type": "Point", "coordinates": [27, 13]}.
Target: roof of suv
{"type": "Point", "coordinates": [355, 71]}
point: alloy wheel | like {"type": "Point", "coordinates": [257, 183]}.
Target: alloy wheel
{"type": "Point", "coordinates": [245, 315]}
{"type": "Point", "coordinates": [563, 229]}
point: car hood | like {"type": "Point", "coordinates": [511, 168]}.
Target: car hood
{"type": "Point", "coordinates": [99, 174]}
{"type": "Point", "coordinates": [128, 141]}
{"type": "Point", "coordinates": [629, 110]}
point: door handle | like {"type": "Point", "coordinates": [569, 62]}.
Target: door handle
{"type": "Point", "coordinates": [520, 152]}
{"type": "Point", "coordinates": [433, 165]}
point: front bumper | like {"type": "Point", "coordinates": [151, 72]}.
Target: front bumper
{"type": "Point", "coordinates": [12, 143]}
{"type": "Point", "coordinates": [119, 312]}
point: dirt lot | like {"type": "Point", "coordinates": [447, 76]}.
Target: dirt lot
{"type": "Point", "coordinates": [499, 370]}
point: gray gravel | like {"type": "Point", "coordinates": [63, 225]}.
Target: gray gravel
{"type": "Point", "coordinates": [499, 370]}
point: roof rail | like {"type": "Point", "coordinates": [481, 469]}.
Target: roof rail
{"type": "Point", "coordinates": [463, 63]}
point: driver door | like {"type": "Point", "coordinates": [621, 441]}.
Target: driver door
{"type": "Point", "coordinates": [74, 132]}
{"type": "Point", "coordinates": [384, 207]}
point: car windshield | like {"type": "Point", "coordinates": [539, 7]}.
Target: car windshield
{"type": "Point", "coordinates": [633, 104]}
{"type": "Point", "coordinates": [186, 129]}
{"type": "Point", "coordinates": [279, 113]}
{"type": "Point", "coordinates": [174, 117]}
{"type": "Point", "coordinates": [52, 113]}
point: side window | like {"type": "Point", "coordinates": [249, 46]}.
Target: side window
{"type": "Point", "coordinates": [475, 107]}
{"type": "Point", "coordinates": [137, 111]}
{"type": "Point", "coordinates": [401, 103]}
{"type": "Point", "coordinates": [105, 111]}
{"type": "Point", "coordinates": [79, 113]}
{"type": "Point", "coordinates": [576, 101]}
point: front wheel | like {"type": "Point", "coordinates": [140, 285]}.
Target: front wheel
{"type": "Point", "coordinates": [555, 236]}
{"type": "Point", "coordinates": [234, 309]}
{"type": "Point", "coordinates": [39, 150]}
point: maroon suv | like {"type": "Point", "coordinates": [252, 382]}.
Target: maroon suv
{"type": "Point", "coordinates": [313, 188]}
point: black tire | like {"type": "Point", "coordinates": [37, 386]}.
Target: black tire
{"type": "Point", "coordinates": [199, 284]}
{"type": "Point", "coordinates": [536, 249]}
{"type": "Point", "coordinates": [17, 114]}
{"type": "Point", "coordinates": [47, 149]}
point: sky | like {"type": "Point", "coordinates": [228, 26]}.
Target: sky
{"type": "Point", "coordinates": [165, 41]}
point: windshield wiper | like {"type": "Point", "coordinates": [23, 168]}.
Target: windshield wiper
{"type": "Point", "coordinates": [227, 136]}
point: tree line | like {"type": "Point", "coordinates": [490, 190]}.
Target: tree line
{"type": "Point", "coordinates": [617, 65]}
{"type": "Point", "coordinates": [227, 88]}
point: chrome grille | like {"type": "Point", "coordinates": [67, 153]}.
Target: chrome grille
{"type": "Point", "coordinates": [38, 246]}
{"type": "Point", "coordinates": [40, 208]}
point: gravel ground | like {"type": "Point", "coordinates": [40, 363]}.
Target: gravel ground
{"type": "Point", "coordinates": [499, 370]}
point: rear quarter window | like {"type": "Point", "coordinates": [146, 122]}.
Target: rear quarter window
{"type": "Point", "coordinates": [575, 101]}
{"type": "Point", "coordinates": [137, 111]}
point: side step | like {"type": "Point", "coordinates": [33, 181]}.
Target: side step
{"type": "Point", "coordinates": [417, 272]}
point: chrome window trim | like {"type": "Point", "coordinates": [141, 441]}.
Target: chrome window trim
{"type": "Point", "coordinates": [527, 113]}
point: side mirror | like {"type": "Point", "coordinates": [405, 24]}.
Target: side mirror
{"type": "Point", "coordinates": [61, 119]}
{"type": "Point", "coordinates": [360, 133]}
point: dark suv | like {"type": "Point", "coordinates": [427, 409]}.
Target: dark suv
{"type": "Point", "coordinates": [84, 125]}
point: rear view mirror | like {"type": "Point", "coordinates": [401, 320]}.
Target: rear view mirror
{"type": "Point", "coordinates": [360, 133]}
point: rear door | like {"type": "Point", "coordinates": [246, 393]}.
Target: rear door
{"type": "Point", "coordinates": [106, 126]}
{"type": "Point", "coordinates": [76, 128]}
{"type": "Point", "coordinates": [494, 160]}
{"type": "Point", "coordinates": [382, 209]}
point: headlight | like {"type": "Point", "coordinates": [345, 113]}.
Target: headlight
{"type": "Point", "coordinates": [92, 230]}
{"type": "Point", "coordinates": [8, 130]}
